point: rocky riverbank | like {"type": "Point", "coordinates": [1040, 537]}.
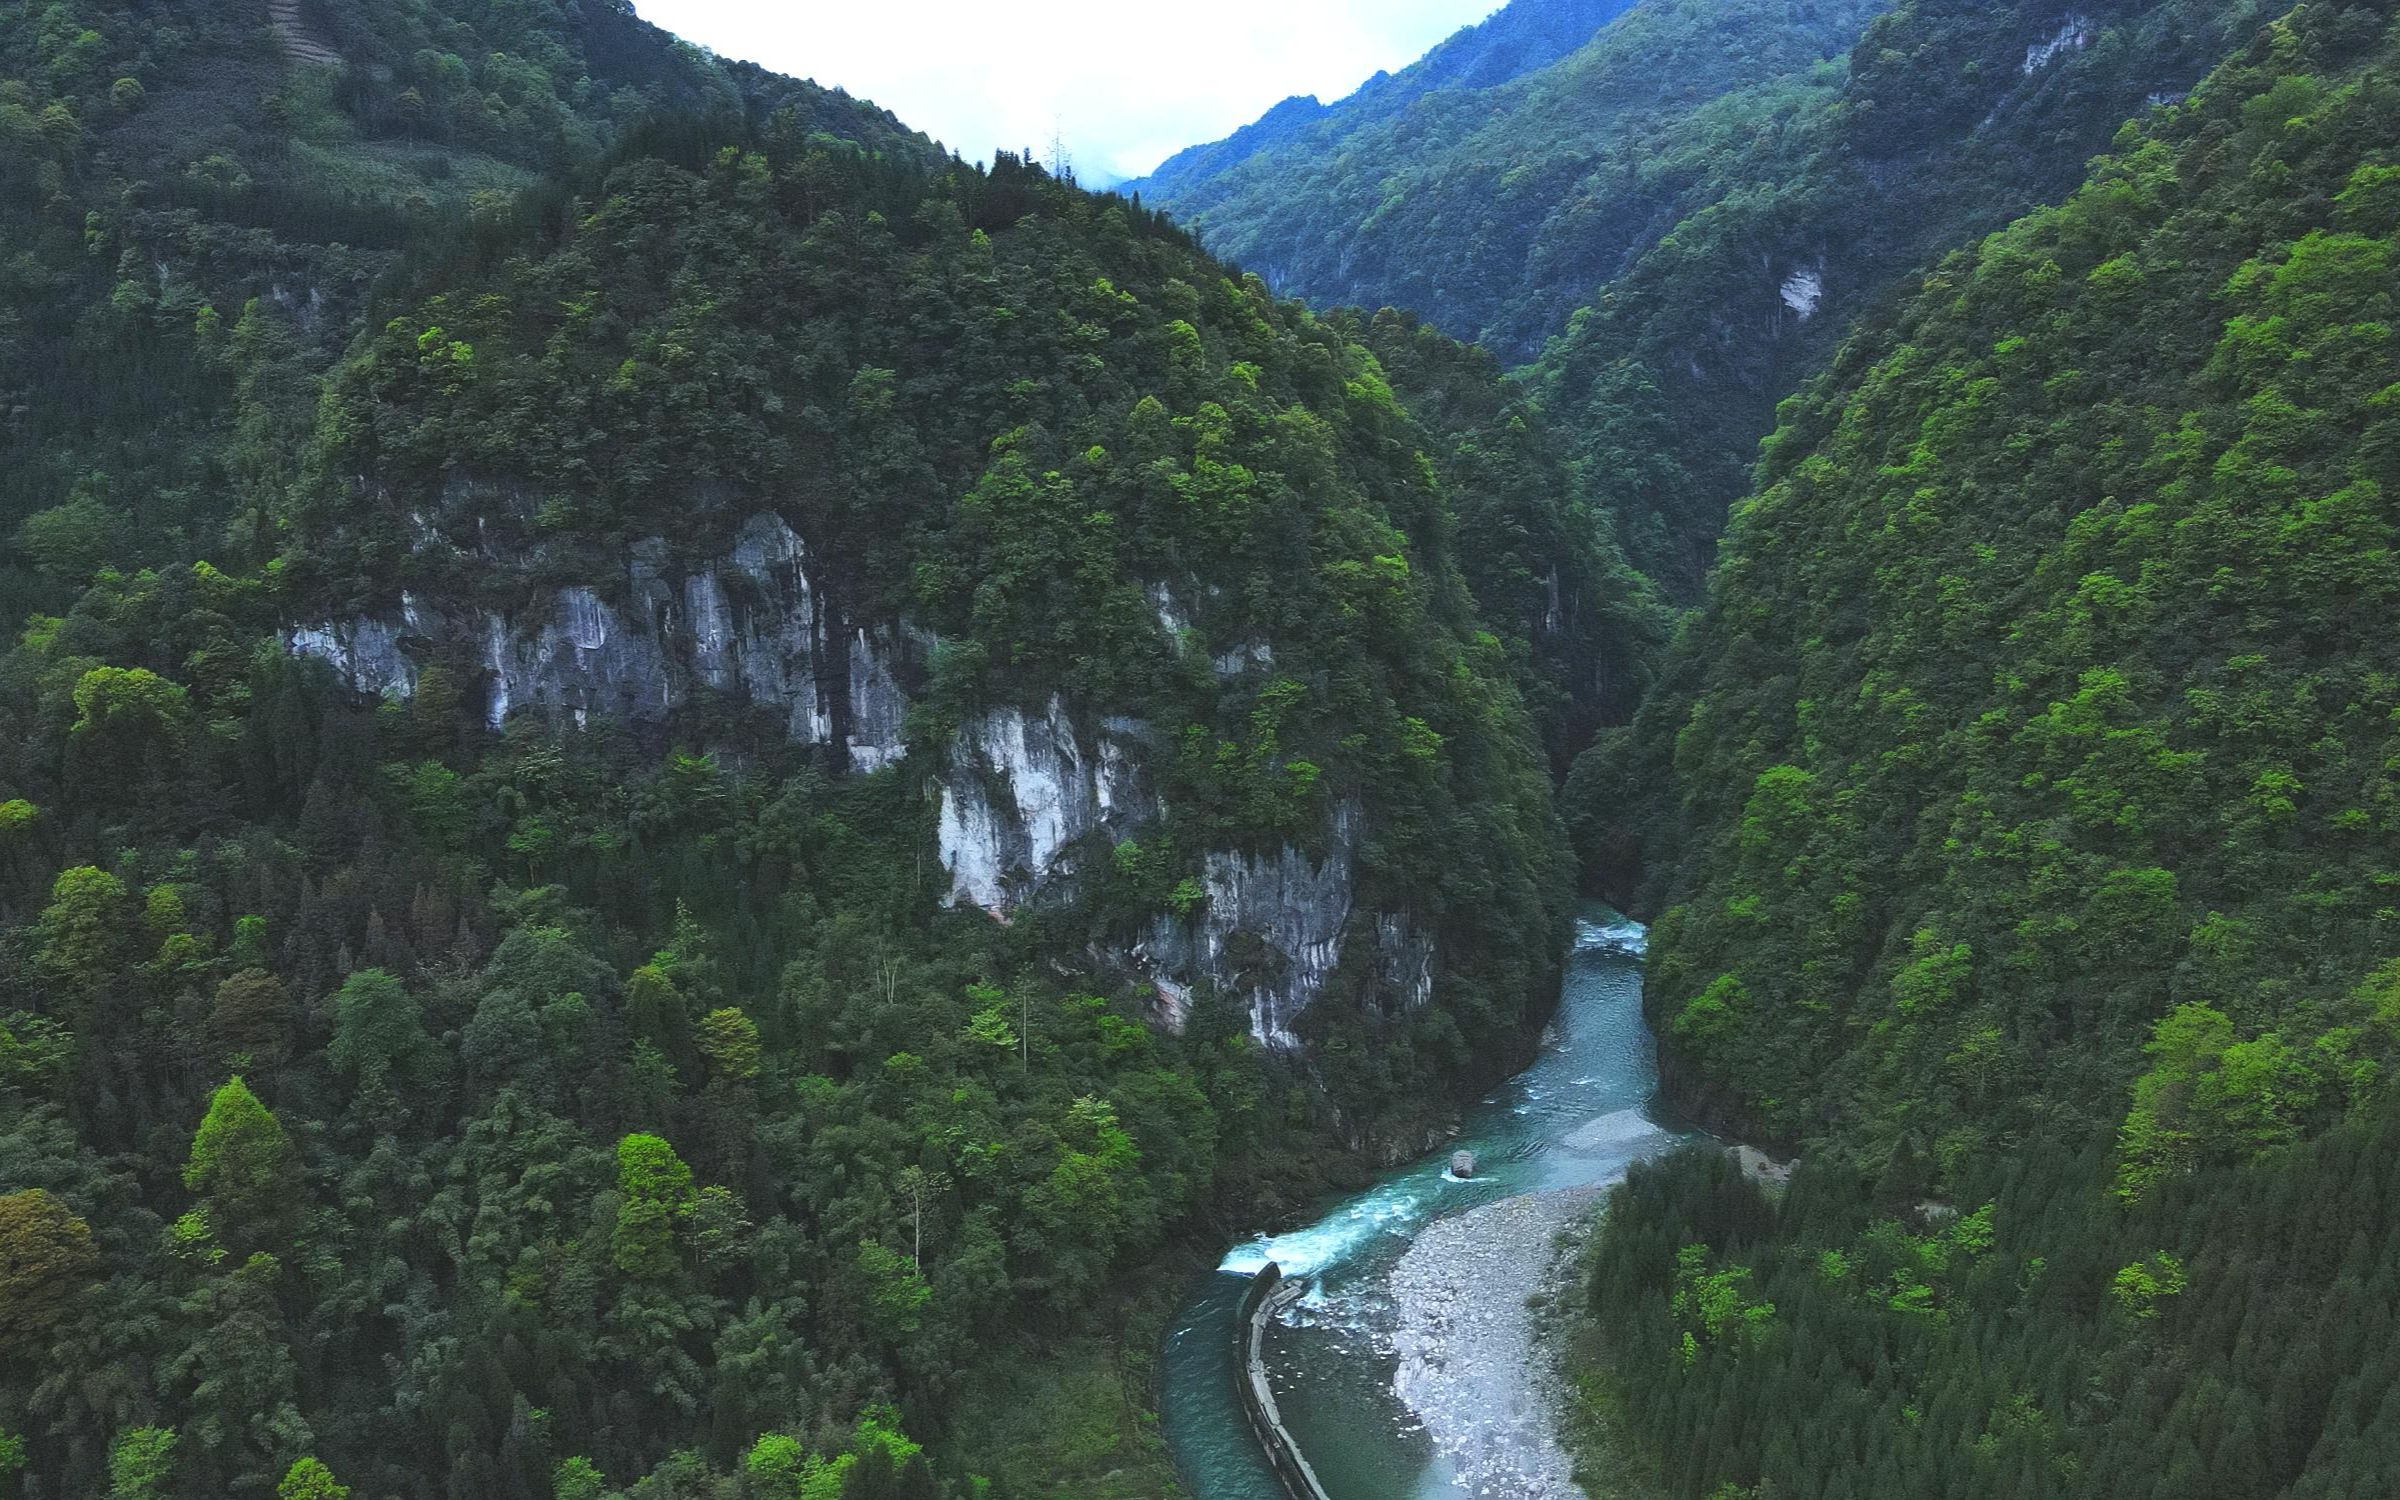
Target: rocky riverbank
{"type": "Point", "coordinates": [1470, 1366]}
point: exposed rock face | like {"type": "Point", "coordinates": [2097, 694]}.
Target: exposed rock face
{"type": "Point", "coordinates": [878, 706]}
{"type": "Point", "coordinates": [1761, 1168]}
{"type": "Point", "coordinates": [1276, 929]}
{"type": "Point", "coordinates": [1251, 655]}
{"type": "Point", "coordinates": [1403, 959]}
{"type": "Point", "coordinates": [770, 644]}
{"type": "Point", "coordinates": [1026, 798]}
{"type": "Point", "coordinates": [585, 659]}
{"type": "Point", "coordinates": [1020, 793]}
{"type": "Point", "coordinates": [1175, 618]}
{"type": "Point", "coordinates": [365, 653]}
{"type": "Point", "coordinates": [1292, 910]}
{"type": "Point", "coordinates": [2075, 32]}
{"type": "Point", "coordinates": [750, 625]}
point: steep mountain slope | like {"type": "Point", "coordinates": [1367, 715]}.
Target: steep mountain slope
{"type": "Point", "coordinates": [1953, 117]}
{"type": "Point", "coordinates": [1147, 561]}
{"type": "Point", "coordinates": [1696, 204]}
{"type": "Point", "coordinates": [1516, 40]}
{"type": "Point", "coordinates": [195, 208]}
{"type": "Point", "coordinates": [1494, 208]}
{"type": "Point", "coordinates": [683, 776]}
{"type": "Point", "coordinates": [2029, 853]}
{"type": "Point", "coordinates": [1548, 574]}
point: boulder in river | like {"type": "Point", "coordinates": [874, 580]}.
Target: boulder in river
{"type": "Point", "coordinates": [1462, 1163]}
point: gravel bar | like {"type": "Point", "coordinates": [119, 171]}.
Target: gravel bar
{"type": "Point", "coordinates": [1470, 1367]}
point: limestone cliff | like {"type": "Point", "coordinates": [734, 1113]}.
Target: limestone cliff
{"type": "Point", "coordinates": [640, 645]}
{"type": "Point", "coordinates": [1029, 802]}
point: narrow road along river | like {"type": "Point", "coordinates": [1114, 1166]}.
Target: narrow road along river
{"type": "Point", "coordinates": [1407, 1370]}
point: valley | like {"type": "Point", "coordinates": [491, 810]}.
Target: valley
{"type": "Point", "coordinates": [704, 803]}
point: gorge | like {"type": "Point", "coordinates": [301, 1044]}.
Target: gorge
{"type": "Point", "coordinates": [703, 803]}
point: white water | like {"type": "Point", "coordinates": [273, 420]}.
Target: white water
{"type": "Point", "coordinates": [1348, 1359]}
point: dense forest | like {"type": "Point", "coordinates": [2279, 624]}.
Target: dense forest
{"type": "Point", "coordinates": [427, 1093]}
{"type": "Point", "coordinates": [694, 793]}
{"type": "Point", "coordinates": [201, 218]}
{"type": "Point", "coordinates": [2023, 856]}
{"type": "Point", "coordinates": [1674, 224]}
{"type": "Point", "coordinates": [1495, 202]}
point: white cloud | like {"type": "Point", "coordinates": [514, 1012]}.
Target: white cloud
{"type": "Point", "coordinates": [1126, 84]}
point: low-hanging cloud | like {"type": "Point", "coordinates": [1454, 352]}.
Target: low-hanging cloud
{"type": "Point", "coordinates": [1124, 84]}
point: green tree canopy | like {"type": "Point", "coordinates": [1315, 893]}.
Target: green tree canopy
{"type": "Point", "coordinates": [310, 1480]}
{"type": "Point", "coordinates": [242, 1162]}
{"type": "Point", "coordinates": [47, 1263]}
{"type": "Point", "coordinates": [141, 1464]}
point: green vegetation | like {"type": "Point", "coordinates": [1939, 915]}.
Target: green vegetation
{"type": "Point", "coordinates": [1817, 202]}
{"type": "Point", "coordinates": [2031, 847]}
{"type": "Point", "coordinates": [390, 1106]}
{"type": "Point", "coordinates": [1674, 225]}
{"type": "Point", "coordinates": [478, 1193]}
{"type": "Point", "coordinates": [1012, 414]}
{"type": "Point", "coordinates": [1582, 627]}
{"type": "Point", "coordinates": [1494, 210]}
{"type": "Point", "coordinates": [199, 224]}
{"type": "Point", "coordinates": [394, 1102]}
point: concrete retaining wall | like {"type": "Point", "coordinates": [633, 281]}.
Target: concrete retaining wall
{"type": "Point", "coordinates": [1269, 1292]}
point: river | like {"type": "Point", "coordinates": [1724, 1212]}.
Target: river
{"type": "Point", "coordinates": [1406, 1370]}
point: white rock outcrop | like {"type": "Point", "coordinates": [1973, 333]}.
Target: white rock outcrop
{"type": "Point", "coordinates": [750, 625]}
{"type": "Point", "coordinates": [1020, 793]}
{"type": "Point", "coordinates": [1029, 801]}
{"type": "Point", "coordinates": [365, 654]}
{"type": "Point", "coordinates": [2075, 32]}
{"type": "Point", "coordinates": [1275, 930]}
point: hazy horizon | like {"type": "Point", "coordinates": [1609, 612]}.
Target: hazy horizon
{"type": "Point", "coordinates": [980, 78]}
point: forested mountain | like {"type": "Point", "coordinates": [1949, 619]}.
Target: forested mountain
{"type": "Point", "coordinates": [2019, 814]}
{"type": "Point", "coordinates": [1696, 204]}
{"type": "Point", "coordinates": [1583, 628]}
{"type": "Point", "coordinates": [1478, 199]}
{"type": "Point", "coordinates": [1517, 39]}
{"type": "Point", "coordinates": [200, 201]}
{"type": "Point", "coordinates": [688, 784]}
{"type": "Point", "coordinates": [681, 775]}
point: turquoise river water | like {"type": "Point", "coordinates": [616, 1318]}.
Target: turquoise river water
{"type": "Point", "coordinates": [1577, 1118]}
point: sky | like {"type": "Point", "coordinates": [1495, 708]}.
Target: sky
{"type": "Point", "coordinates": [1125, 83]}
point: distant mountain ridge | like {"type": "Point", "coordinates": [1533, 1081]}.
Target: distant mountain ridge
{"type": "Point", "coordinates": [1494, 185]}
{"type": "Point", "coordinates": [1515, 40]}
